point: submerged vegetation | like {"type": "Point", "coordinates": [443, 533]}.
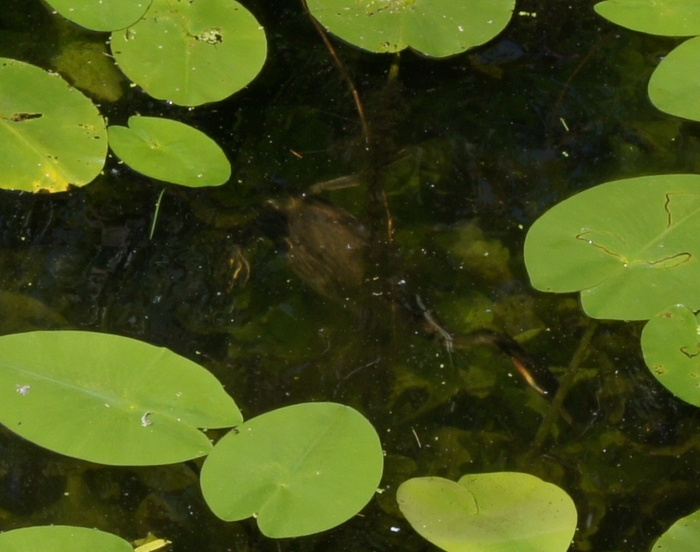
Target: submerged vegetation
{"type": "Point", "coordinates": [369, 212]}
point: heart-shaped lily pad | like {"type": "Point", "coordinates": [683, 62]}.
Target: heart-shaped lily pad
{"type": "Point", "coordinates": [61, 538]}
{"type": "Point", "coordinates": [171, 151]}
{"type": "Point", "coordinates": [671, 350]}
{"type": "Point", "coordinates": [494, 512]}
{"type": "Point", "coordinates": [435, 28]}
{"type": "Point", "coordinates": [629, 246]}
{"type": "Point", "coordinates": [299, 470]}
{"type": "Point", "coordinates": [674, 86]}
{"type": "Point", "coordinates": [101, 15]}
{"type": "Point", "coordinates": [192, 53]}
{"type": "Point", "coordinates": [109, 399]}
{"type": "Point", "coordinates": [51, 135]}
{"type": "Point", "coordinates": [676, 18]}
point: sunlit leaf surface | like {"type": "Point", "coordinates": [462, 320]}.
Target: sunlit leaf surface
{"type": "Point", "coordinates": [61, 538]}
{"type": "Point", "coordinates": [670, 18]}
{"type": "Point", "coordinates": [682, 536]}
{"type": "Point", "coordinates": [109, 399]}
{"type": "Point", "coordinates": [498, 512]}
{"type": "Point", "coordinates": [51, 135]}
{"type": "Point", "coordinates": [171, 151]}
{"type": "Point", "coordinates": [299, 470]}
{"type": "Point", "coordinates": [674, 86]}
{"type": "Point", "coordinates": [192, 53]}
{"type": "Point", "coordinates": [629, 246]}
{"type": "Point", "coordinates": [672, 351]}
{"type": "Point", "coordinates": [435, 28]}
{"type": "Point", "coordinates": [101, 15]}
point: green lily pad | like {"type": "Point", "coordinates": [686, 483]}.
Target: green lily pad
{"type": "Point", "coordinates": [671, 350]}
{"type": "Point", "coordinates": [51, 135]}
{"type": "Point", "coordinates": [101, 15]}
{"type": "Point", "coordinates": [299, 470]}
{"type": "Point", "coordinates": [676, 18]}
{"type": "Point", "coordinates": [494, 512]}
{"type": "Point", "coordinates": [109, 399]}
{"type": "Point", "coordinates": [192, 53]}
{"type": "Point", "coordinates": [674, 86]}
{"type": "Point", "coordinates": [61, 538]}
{"type": "Point", "coordinates": [171, 151]}
{"type": "Point", "coordinates": [682, 536]}
{"type": "Point", "coordinates": [436, 28]}
{"type": "Point", "coordinates": [629, 246]}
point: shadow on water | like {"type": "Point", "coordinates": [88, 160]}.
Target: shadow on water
{"type": "Point", "coordinates": [468, 151]}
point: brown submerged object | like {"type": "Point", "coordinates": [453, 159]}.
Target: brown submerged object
{"type": "Point", "coordinates": [326, 248]}
{"type": "Point", "coordinates": [535, 375]}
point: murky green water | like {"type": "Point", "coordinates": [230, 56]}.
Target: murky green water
{"type": "Point", "coordinates": [469, 152]}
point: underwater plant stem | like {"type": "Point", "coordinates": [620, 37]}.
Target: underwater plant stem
{"type": "Point", "coordinates": [389, 219]}
{"type": "Point", "coordinates": [557, 407]}
{"type": "Point", "coordinates": [155, 214]}
{"type": "Point", "coordinates": [343, 71]}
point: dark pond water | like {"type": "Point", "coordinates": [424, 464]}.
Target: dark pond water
{"type": "Point", "coordinates": [467, 152]}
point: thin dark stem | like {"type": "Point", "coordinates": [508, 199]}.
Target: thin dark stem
{"type": "Point", "coordinates": [348, 79]}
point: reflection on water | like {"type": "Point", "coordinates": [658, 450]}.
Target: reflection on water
{"type": "Point", "coordinates": [472, 150]}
